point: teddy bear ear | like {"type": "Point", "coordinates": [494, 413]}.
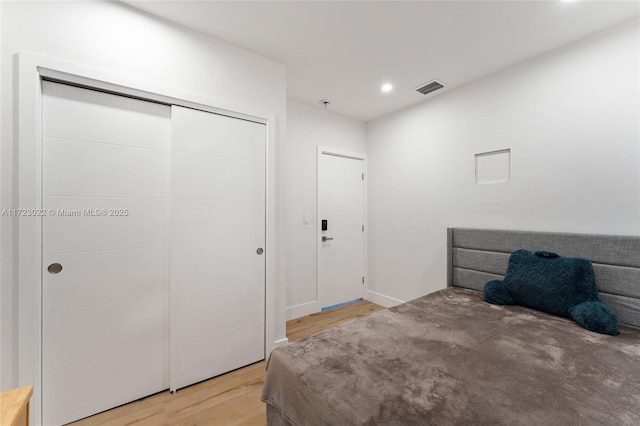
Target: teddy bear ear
{"type": "Point", "coordinates": [546, 254]}
{"type": "Point", "coordinates": [496, 293]}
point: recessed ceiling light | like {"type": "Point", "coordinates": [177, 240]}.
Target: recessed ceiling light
{"type": "Point", "coordinates": [386, 87]}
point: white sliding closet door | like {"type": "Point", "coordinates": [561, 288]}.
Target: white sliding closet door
{"type": "Point", "coordinates": [217, 238]}
{"type": "Point", "coordinates": [105, 251]}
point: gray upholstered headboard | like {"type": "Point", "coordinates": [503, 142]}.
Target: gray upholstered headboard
{"type": "Point", "coordinates": [476, 256]}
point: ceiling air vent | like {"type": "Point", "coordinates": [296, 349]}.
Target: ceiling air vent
{"type": "Point", "coordinates": [427, 88]}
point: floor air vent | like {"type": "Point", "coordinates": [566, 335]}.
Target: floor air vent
{"type": "Point", "coordinates": [427, 88]}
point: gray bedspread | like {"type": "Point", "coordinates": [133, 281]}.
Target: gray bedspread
{"type": "Point", "coordinates": [449, 358]}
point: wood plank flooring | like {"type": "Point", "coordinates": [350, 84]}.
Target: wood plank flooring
{"type": "Point", "coordinates": [230, 399]}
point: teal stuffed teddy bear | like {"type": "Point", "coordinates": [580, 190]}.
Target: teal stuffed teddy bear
{"type": "Point", "coordinates": [563, 286]}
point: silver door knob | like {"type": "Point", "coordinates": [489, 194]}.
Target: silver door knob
{"type": "Point", "coordinates": [325, 238]}
{"type": "Point", "coordinates": [260, 250]}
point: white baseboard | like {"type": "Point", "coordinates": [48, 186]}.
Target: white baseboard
{"type": "Point", "coordinates": [382, 300]}
{"type": "Point", "coordinates": [301, 310]}
{"type": "Point", "coordinates": [280, 342]}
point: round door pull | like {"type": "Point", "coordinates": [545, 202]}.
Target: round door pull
{"type": "Point", "coordinates": [259, 251]}
{"type": "Point", "coordinates": [54, 268]}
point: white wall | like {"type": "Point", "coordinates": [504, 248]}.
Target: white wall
{"type": "Point", "coordinates": [571, 119]}
{"type": "Point", "coordinates": [308, 127]}
{"type": "Point", "coordinates": [119, 40]}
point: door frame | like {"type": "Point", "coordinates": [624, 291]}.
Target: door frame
{"type": "Point", "coordinates": [27, 258]}
{"type": "Point", "coordinates": [325, 150]}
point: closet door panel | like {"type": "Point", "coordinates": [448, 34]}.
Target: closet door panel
{"type": "Point", "coordinates": [107, 330]}
{"type": "Point", "coordinates": [198, 222]}
{"type": "Point", "coordinates": [213, 134]}
{"type": "Point", "coordinates": [217, 226]}
{"type": "Point", "coordinates": [92, 278]}
{"type": "Point", "coordinates": [80, 226]}
{"type": "Point", "coordinates": [212, 311]}
{"type": "Point", "coordinates": [214, 354]}
{"type": "Point", "coordinates": [81, 168]}
{"type": "Point", "coordinates": [105, 249]}
{"type": "Point", "coordinates": [205, 267]}
{"type": "Point", "coordinates": [197, 176]}
{"type": "Point", "coordinates": [104, 118]}
{"type": "Point", "coordinates": [104, 383]}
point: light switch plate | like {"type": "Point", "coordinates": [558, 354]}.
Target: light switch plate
{"type": "Point", "coordinates": [306, 219]}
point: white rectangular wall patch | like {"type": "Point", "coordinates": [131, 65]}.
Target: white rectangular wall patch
{"type": "Point", "coordinates": [493, 167]}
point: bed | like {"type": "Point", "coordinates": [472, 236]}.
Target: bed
{"type": "Point", "coordinates": [449, 358]}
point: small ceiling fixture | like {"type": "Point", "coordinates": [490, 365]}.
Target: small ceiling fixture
{"type": "Point", "coordinates": [324, 103]}
{"type": "Point", "coordinates": [386, 87]}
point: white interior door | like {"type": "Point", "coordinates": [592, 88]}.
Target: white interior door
{"type": "Point", "coordinates": [105, 250]}
{"type": "Point", "coordinates": [217, 243]}
{"type": "Point", "coordinates": [341, 245]}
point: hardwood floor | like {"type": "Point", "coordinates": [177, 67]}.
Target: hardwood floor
{"type": "Point", "coordinates": [230, 399]}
